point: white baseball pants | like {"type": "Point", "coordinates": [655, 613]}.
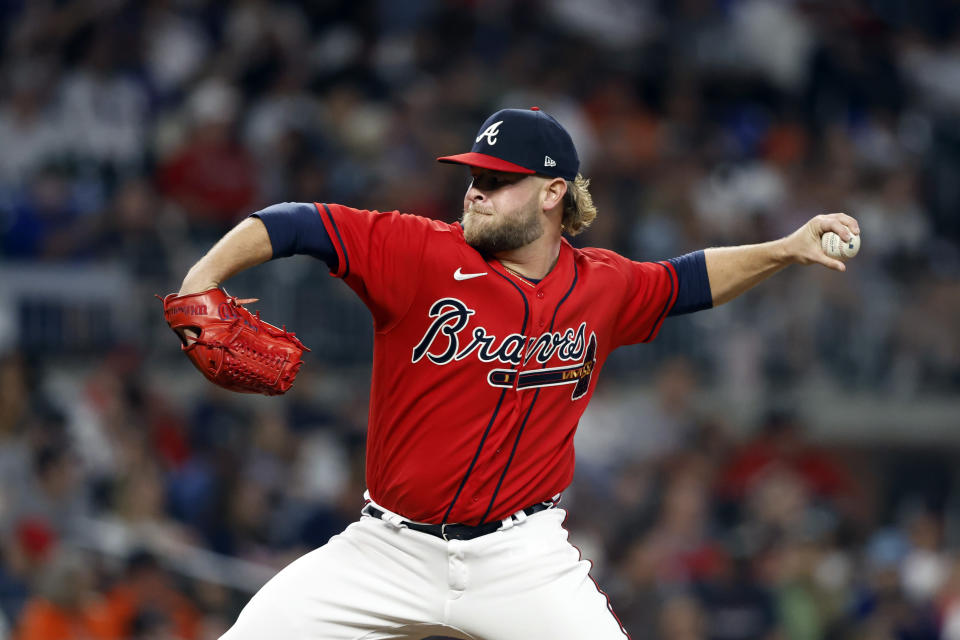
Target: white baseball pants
{"type": "Point", "coordinates": [377, 581]}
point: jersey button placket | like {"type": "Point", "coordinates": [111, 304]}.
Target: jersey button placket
{"type": "Point", "coordinates": [540, 296]}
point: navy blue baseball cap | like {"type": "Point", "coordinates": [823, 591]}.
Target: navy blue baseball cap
{"type": "Point", "coordinates": [522, 141]}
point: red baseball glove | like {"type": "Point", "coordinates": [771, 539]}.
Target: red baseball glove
{"type": "Point", "coordinates": [234, 348]}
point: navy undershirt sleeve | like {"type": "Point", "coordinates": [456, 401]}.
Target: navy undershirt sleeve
{"type": "Point", "coordinates": [296, 228]}
{"type": "Point", "coordinates": [694, 291]}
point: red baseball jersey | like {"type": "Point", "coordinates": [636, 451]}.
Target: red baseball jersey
{"type": "Point", "coordinates": [479, 375]}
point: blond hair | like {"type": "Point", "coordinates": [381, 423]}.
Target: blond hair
{"type": "Point", "coordinates": [578, 208]}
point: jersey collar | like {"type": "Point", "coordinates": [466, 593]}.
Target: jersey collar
{"type": "Point", "coordinates": [559, 272]}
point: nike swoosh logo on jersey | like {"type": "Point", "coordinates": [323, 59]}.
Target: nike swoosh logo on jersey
{"type": "Point", "coordinates": [459, 275]}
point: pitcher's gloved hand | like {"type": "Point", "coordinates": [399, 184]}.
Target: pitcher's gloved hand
{"type": "Point", "coordinates": [232, 347]}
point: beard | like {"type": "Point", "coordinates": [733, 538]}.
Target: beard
{"type": "Point", "coordinates": [489, 233]}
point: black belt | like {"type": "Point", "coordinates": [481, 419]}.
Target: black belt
{"type": "Point", "coordinates": [457, 531]}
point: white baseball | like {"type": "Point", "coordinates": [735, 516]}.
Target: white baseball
{"type": "Point", "coordinates": [834, 246]}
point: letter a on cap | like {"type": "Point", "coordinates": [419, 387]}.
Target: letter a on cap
{"type": "Point", "coordinates": [491, 133]}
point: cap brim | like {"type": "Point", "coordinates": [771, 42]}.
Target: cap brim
{"type": "Point", "coordinates": [484, 161]}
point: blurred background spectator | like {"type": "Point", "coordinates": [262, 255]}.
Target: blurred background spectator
{"type": "Point", "coordinates": [782, 467]}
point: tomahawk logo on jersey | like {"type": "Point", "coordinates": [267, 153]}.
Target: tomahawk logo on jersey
{"type": "Point", "coordinates": [519, 358]}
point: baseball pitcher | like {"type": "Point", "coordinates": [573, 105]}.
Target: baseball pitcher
{"type": "Point", "coordinates": [489, 337]}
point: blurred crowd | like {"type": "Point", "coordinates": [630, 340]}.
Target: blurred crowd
{"type": "Point", "coordinates": [109, 486]}
{"type": "Point", "coordinates": [136, 133]}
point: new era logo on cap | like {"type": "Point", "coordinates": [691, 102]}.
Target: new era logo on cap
{"type": "Point", "coordinates": [522, 141]}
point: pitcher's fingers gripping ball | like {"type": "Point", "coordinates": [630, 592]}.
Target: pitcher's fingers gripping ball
{"type": "Point", "coordinates": [234, 348]}
{"type": "Point", "coordinates": [827, 239]}
{"type": "Point", "coordinates": [835, 247]}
